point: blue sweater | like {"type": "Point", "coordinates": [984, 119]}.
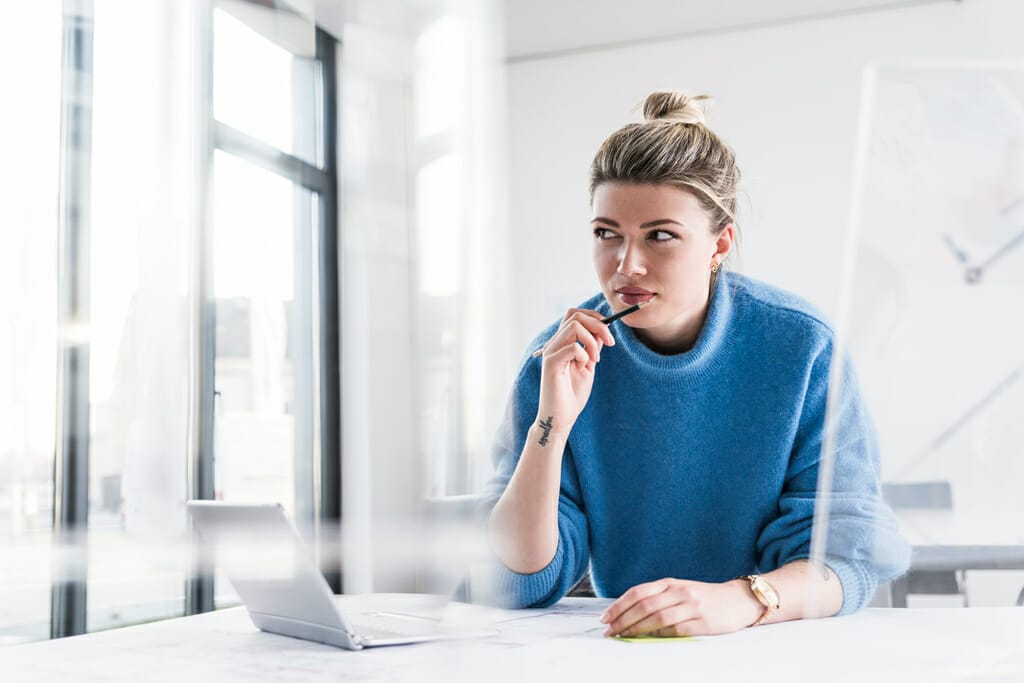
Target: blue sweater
{"type": "Point", "coordinates": [704, 465]}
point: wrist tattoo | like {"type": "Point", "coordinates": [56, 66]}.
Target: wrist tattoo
{"type": "Point", "coordinates": [545, 426]}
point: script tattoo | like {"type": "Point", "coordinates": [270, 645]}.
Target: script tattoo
{"type": "Point", "coordinates": [546, 426]}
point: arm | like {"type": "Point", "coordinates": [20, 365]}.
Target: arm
{"type": "Point", "coordinates": [524, 523]}
{"type": "Point", "coordinates": [677, 607]}
{"type": "Point", "coordinates": [864, 546]}
{"type": "Point", "coordinates": [534, 516]}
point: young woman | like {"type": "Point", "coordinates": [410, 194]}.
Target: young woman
{"type": "Point", "coordinates": [675, 451]}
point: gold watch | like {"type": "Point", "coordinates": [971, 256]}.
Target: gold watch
{"type": "Point", "coordinates": [765, 594]}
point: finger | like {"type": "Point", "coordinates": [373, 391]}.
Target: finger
{"type": "Point", "coordinates": [540, 351]}
{"type": "Point", "coordinates": [642, 610]}
{"type": "Point", "coordinates": [592, 321]}
{"type": "Point", "coordinates": [574, 331]}
{"type": "Point", "coordinates": [661, 622]}
{"type": "Point", "coordinates": [689, 627]}
{"type": "Point", "coordinates": [571, 352]}
{"type": "Point", "coordinates": [630, 598]}
{"type": "Point", "coordinates": [585, 311]}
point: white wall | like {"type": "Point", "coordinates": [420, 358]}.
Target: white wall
{"type": "Point", "coordinates": [786, 99]}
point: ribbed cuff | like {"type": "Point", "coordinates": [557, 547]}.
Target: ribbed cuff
{"type": "Point", "coordinates": [514, 590]}
{"type": "Point", "coordinates": [858, 584]}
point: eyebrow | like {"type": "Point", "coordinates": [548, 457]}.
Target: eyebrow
{"type": "Point", "coordinates": [643, 226]}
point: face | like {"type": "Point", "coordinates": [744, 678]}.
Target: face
{"type": "Point", "coordinates": [655, 243]}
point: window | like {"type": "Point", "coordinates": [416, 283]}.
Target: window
{"type": "Point", "coordinates": [187, 264]}
{"type": "Point", "coordinates": [30, 49]}
{"type": "Point", "coordinates": [270, 193]}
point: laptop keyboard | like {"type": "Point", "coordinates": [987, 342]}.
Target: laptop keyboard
{"type": "Point", "coordinates": [378, 626]}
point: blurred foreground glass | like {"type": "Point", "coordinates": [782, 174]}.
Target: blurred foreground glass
{"type": "Point", "coordinates": [142, 195]}
{"type": "Point", "coordinates": [265, 263]}
{"type": "Point", "coordinates": [936, 327]}
{"type": "Point", "coordinates": [465, 365]}
{"type": "Point", "coordinates": [30, 61]}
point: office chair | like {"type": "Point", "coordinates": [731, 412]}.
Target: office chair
{"type": "Point", "coordinates": [924, 495]}
{"type": "Point", "coordinates": [583, 588]}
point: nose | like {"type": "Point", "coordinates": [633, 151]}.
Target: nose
{"type": "Point", "coordinates": [630, 260]}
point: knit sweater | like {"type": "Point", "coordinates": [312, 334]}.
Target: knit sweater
{"type": "Point", "coordinates": [703, 465]}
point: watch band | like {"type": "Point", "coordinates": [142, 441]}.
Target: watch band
{"type": "Point", "coordinates": [765, 594]}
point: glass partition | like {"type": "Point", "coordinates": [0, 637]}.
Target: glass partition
{"type": "Point", "coordinates": [933, 320]}
{"type": "Point", "coordinates": [30, 49]}
{"type": "Point", "coordinates": [265, 231]}
{"type": "Point", "coordinates": [139, 358]}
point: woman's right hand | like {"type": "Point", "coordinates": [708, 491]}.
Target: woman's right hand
{"type": "Point", "coordinates": [567, 373]}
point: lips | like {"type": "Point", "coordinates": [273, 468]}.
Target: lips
{"type": "Point", "coordinates": [634, 295]}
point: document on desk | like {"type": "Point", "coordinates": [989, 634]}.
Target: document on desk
{"type": "Point", "coordinates": [570, 618]}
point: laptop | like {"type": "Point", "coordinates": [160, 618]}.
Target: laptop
{"type": "Point", "coordinates": [262, 554]}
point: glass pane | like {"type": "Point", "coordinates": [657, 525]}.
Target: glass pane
{"type": "Point", "coordinates": [264, 76]}
{"type": "Point", "coordinates": [263, 258]}
{"type": "Point", "coordinates": [30, 59]}
{"type": "Point", "coordinates": [139, 362]}
{"type": "Point", "coordinates": [937, 328]}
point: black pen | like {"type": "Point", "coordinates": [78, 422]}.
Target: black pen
{"type": "Point", "coordinates": [610, 319]}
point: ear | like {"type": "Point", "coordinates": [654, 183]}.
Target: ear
{"type": "Point", "coordinates": [723, 242]}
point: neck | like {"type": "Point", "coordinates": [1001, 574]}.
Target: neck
{"type": "Point", "coordinates": [681, 339]}
{"type": "Point", "coordinates": [682, 334]}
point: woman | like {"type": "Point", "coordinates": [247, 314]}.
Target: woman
{"type": "Point", "coordinates": [676, 450]}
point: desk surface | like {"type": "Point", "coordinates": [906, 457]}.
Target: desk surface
{"type": "Point", "coordinates": [551, 645]}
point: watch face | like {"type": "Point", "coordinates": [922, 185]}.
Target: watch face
{"type": "Point", "coordinates": [767, 591]}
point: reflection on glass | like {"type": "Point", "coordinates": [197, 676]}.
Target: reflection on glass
{"type": "Point", "coordinates": [936, 327]}
{"type": "Point", "coordinates": [263, 76]}
{"type": "Point", "coordinates": [30, 51]}
{"type": "Point", "coordinates": [139, 369]}
{"type": "Point", "coordinates": [263, 446]}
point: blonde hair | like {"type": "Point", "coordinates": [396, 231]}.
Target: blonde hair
{"type": "Point", "coordinates": [673, 146]}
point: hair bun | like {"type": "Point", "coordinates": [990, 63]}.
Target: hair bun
{"type": "Point", "coordinates": [675, 106]}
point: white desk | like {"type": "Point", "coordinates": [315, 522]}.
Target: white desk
{"type": "Point", "coordinates": [875, 645]}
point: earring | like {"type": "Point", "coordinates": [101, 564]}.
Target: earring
{"type": "Point", "coordinates": [714, 268]}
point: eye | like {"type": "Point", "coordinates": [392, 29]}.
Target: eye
{"type": "Point", "coordinates": [661, 236]}
{"type": "Point", "coordinates": [604, 234]}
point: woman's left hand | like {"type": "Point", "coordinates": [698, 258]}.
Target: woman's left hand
{"type": "Point", "coordinates": [676, 607]}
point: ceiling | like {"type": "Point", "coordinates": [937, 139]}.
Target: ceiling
{"type": "Point", "coordinates": [535, 29]}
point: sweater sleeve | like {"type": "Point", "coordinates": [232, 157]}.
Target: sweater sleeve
{"type": "Point", "coordinates": [550, 584]}
{"type": "Point", "coordinates": [864, 546]}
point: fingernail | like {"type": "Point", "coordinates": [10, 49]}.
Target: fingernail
{"type": "Point", "coordinates": [608, 633]}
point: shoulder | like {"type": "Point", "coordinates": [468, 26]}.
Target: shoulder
{"type": "Point", "coordinates": [767, 305]}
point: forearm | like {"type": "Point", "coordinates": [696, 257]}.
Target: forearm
{"type": "Point", "coordinates": [523, 525]}
{"type": "Point", "coordinates": [806, 590]}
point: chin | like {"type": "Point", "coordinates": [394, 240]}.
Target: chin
{"type": "Point", "coordinates": [639, 321]}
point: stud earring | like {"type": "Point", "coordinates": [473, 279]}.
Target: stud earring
{"type": "Point", "coordinates": [714, 268]}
